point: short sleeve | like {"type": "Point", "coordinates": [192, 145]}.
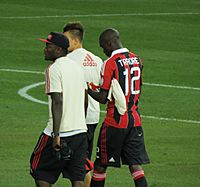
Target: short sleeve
{"type": "Point", "coordinates": [53, 79]}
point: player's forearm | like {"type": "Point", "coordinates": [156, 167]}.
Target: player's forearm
{"type": "Point", "coordinates": [56, 112]}
{"type": "Point", "coordinates": [100, 96]}
{"type": "Point", "coordinates": [86, 102]}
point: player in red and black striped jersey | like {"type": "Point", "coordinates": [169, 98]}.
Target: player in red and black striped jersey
{"type": "Point", "coordinates": [126, 67]}
{"type": "Point", "coordinates": [121, 137]}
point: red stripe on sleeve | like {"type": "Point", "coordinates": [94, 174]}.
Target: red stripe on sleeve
{"type": "Point", "coordinates": [47, 79]}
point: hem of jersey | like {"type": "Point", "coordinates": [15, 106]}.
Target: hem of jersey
{"type": "Point", "coordinates": [92, 122]}
{"type": "Point", "coordinates": [66, 134]}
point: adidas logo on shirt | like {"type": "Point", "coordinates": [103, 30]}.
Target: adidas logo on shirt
{"type": "Point", "coordinates": [88, 61]}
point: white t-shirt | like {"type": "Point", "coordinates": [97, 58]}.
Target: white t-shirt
{"type": "Point", "coordinates": [66, 77]}
{"type": "Point", "coordinates": [91, 65]}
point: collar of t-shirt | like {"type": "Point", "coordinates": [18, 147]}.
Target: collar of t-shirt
{"type": "Point", "coordinates": [122, 50]}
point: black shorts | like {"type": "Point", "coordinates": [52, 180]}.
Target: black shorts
{"type": "Point", "coordinates": [45, 166]}
{"type": "Point", "coordinates": [90, 135]}
{"type": "Point", "coordinates": [116, 145]}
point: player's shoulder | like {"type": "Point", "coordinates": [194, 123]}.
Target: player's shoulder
{"type": "Point", "coordinates": [132, 54]}
{"type": "Point", "coordinates": [63, 60]}
{"type": "Point", "coordinates": [136, 58]}
{"type": "Point", "coordinates": [111, 59]}
{"type": "Point", "coordinates": [65, 63]}
{"type": "Point", "coordinates": [94, 56]}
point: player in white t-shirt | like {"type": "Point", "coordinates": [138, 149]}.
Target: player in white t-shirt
{"type": "Point", "coordinates": [91, 65]}
{"type": "Point", "coordinates": [62, 146]}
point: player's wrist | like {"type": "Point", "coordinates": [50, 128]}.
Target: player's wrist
{"type": "Point", "coordinates": [55, 134]}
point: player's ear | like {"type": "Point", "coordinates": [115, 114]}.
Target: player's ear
{"type": "Point", "coordinates": [107, 44]}
{"type": "Point", "coordinates": [110, 45]}
{"type": "Point", "coordinates": [58, 50]}
{"type": "Point", "coordinates": [76, 41]}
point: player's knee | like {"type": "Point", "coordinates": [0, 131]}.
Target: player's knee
{"type": "Point", "coordinates": [40, 183]}
{"type": "Point", "coordinates": [137, 172]}
{"type": "Point", "coordinates": [100, 169]}
{"type": "Point", "coordinates": [134, 168]}
{"type": "Point", "coordinates": [77, 183]}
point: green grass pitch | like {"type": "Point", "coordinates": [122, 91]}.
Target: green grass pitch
{"type": "Point", "coordinates": [165, 33]}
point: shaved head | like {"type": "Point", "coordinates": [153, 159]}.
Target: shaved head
{"type": "Point", "coordinates": [108, 34]}
{"type": "Point", "coordinates": [109, 40]}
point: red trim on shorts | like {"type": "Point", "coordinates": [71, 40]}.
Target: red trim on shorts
{"type": "Point", "coordinates": [37, 152]}
{"type": "Point", "coordinates": [89, 165]}
{"type": "Point", "coordinates": [103, 145]}
{"type": "Point", "coordinates": [137, 120]}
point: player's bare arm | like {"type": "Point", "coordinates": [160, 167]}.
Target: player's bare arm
{"type": "Point", "coordinates": [57, 103]}
{"type": "Point", "coordinates": [86, 102]}
{"type": "Point", "coordinates": [100, 96]}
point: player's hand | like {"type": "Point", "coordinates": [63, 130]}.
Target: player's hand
{"type": "Point", "coordinates": [88, 85]}
{"type": "Point", "coordinates": [56, 143]}
{"type": "Point", "coordinates": [92, 86]}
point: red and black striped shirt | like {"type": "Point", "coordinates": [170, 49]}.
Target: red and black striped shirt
{"type": "Point", "coordinates": [126, 67]}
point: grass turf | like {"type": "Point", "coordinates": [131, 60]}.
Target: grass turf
{"type": "Point", "coordinates": [169, 47]}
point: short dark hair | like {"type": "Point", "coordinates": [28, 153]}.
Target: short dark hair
{"type": "Point", "coordinates": [76, 29]}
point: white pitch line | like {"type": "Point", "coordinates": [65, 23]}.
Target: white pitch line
{"type": "Point", "coordinates": [22, 71]}
{"type": "Point", "coordinates": [23, 93]}
{"type": "Point", "coordinates": [165, 119]}
{"type": "Point", "coordinates": [171, 86]}
{"type": "Point", "coordinates": [145, 83]}
{"type": "Point", "coordinates": [102, 15]}
{"type": "Point", "coordinates": [170, 119]}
